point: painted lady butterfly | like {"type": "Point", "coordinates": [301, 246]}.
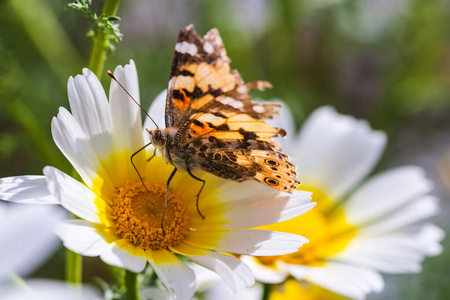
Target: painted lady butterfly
{"type": "Point", "coordinates": [212, 123]}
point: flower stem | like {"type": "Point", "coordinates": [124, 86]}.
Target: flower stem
{"type": "Point", "coordinates": [74, 266]}
{"type": "Point", "coordinates": [132, 285]}
{"type": "Point", "coordinates": [266, 291]}
{"type": "Point", "coordinates": [98, 55]}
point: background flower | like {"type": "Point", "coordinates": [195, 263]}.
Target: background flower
{"type": "Point", "coordinates": [358, 228]}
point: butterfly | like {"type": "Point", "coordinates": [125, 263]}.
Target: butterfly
{"type": "Point", "coordinates": [212, 124]}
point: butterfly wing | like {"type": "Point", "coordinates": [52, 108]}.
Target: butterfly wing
{"type": "Point", "coordinates": [200, 72]}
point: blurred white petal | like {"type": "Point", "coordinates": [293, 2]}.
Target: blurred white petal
{"type": "Point", "coordinates": [26, 237]}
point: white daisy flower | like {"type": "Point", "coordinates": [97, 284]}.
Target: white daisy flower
{"type": "Point", "coordinates": [359, 228]}
{"type": "Point", "coordinates": [26, 237]}
{"type": "Point", "coordinates": [120, 219]}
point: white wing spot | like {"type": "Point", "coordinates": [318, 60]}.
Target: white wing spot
{"type": "Point", "coordinates": [259, 109]}
{"type": "Point", "coordinates": [208, 47]}
{"type": "Point", "coordinates": [230, 101]}
{"type": "Point", "coordinates": [227, 100]}
{"type": "Point", "coordinates": [242, 89]}
{"type": "Point", "coordinates": [237, 104]}
{"type": "Point", "coordinates": [192, 49]}
{"type": "Point", "coordinates": [185, 47]}
{"type": "Point", "coordinates": [178, 47]}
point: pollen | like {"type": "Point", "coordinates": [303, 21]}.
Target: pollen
{"type": "Point", "coordinates": [137, 212]}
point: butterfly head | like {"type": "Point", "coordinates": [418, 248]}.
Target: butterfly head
{"type": "Point", "coordinates": [158, 137]}
{"type": "Point", "coordinates": [161, 139]}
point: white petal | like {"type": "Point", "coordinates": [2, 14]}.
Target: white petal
{"type": "Point", "coordinates": [26, 237]}
{"type": "Point", "coordinates": [398, 252]}
{"type": "Point", "coordinates": [285, 121]}
{"type": "Point", "coordinates": [256, 210]}
{"type": "Point", "coordinates": [234, 272]}
{"type": "Point", "coordinates": [334, 152]}
{"type": "Point", "coordinates": [419, 210]}
{"type": "Point", "coordinates": [26, 189]}
{"type": "Point", "coordinates": [178, 278]}
{"type": "Point", "coordinates": [73, 195]}
{"type": "Point", "coordinates": [429, 237]}
{"type": "Point", "coordinates": [90, 109]}
{"type": "Point", "coordinates": [121, 254]}
{"type": "Point", "coordinates": [391, 254]}
{"type": "Point", "coordinates": [265, 274]}
{"type": "Point", "coordinates": [219, 291]}
{"type": "Point", "coordinates": [127, 125]}
{"type": "Point", "coordinates": [76, 146]}
{"type": "Point", "coordinates": [250, 242]}
{"type": "Point", "coordinates": [3, 209]}
{"type": "Point", "coordinates": [126, 115]}
{"type": "Point", "coordinates": [81, 237]}
{"type": "Point", "coordinates": [157, 112]}
{"type": "Point", "coordinates": [385, 193]}
{"type": "Point", "coordinates": [229, 190]}
{"type": "Point", "coordinates": [153, 293]}
{"type": "Point", "coordinates": [351, 281]}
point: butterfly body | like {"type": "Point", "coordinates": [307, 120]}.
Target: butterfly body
{"type": "Point", "coordinates": [211, 122]}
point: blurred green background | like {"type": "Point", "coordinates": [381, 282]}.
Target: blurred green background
{"type": "Point", "coordinates": [387, 61]}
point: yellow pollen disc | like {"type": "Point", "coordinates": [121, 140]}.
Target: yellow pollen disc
{"type": "Point", "coordinates": [325, 227]}
{"type": "Point", "coordinates": [138, 211]}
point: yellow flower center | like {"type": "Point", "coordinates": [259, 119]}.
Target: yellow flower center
{"type": "Point", "coordinates": [325, 227]}
{"type": "Point", "coordinates": [137, 212]}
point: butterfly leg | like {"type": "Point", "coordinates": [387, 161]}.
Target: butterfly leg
{"type": "Point", "coordinates": [134, 166]}
{"type": "Point", "coordinates": [199, 192]}
{"type": "Point", "coordinates": [167, 196]}
{"type": "Point", "coordinates": [153, 155]}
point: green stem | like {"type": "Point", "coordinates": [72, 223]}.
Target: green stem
{"type": "Point", "coordinates": [74, 266]}
{"type": "Point", "coordinates": [132, 285]}
{"type": "Point", "coordinates": [266, 291]}
{"type": "Point", "coordinates": [99, 50]}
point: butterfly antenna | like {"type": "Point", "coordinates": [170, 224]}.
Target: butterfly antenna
{"type": "Point", "coordinates": [114, 78]}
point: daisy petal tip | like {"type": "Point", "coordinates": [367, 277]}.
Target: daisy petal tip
{"type": "Point", "coordinates": [132, 64]}
{"type": "Point", "coordinates": [62, 112]}
{"type": "Point", "coordinates": [48, 170]}
{"type": "Point", "coordinates": [70, 82]}
{"type": "Point", "coordinates": [380, 137]}
{"type": "Point", "coordinates": [87, 73]}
